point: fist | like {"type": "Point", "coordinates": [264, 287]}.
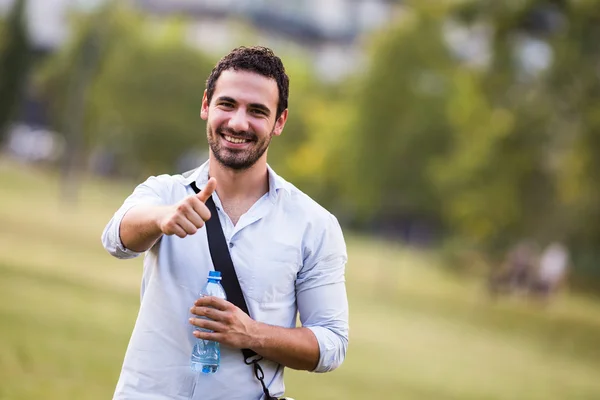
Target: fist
{"type": "Point", "coordinates": [189, 215]}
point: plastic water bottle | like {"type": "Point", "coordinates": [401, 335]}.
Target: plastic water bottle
{"type": "Point", "coordinates": [206, 354]}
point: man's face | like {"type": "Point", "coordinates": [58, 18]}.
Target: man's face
{"type": "Point", "coordinates": [241, 118]}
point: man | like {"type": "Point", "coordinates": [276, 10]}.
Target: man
{"type": "Point", "coordinates": [288, 252]}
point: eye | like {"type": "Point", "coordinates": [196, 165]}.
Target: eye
{"type": "Point", "coordinates": [225, 104]}
{"type": "Point", "coordinates": [258, 111]}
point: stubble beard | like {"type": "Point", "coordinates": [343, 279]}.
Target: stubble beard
{"type": "Point", "coordinates": [238, 160]}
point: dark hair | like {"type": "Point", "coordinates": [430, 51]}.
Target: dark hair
{"type": "Point", "coordinates": [260, 60]}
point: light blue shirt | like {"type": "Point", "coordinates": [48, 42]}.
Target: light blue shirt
{"type": "Point", "coordinates": [289, 255]}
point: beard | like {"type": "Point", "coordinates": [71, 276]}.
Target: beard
{"type": "Point", "coordinates": [237, 159]}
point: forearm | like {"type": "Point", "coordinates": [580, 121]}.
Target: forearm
{"type": "Point", "coordinates": [139, 228]}
{"type": "Point", "coordinates": [296, 348]}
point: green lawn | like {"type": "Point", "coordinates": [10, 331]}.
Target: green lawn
{"type": "Point", "coordinates": [67, 309]}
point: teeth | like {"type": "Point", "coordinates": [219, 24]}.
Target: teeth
{"type": "Point", "coordinates": [234, 140]}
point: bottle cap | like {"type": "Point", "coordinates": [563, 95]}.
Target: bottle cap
{"type": "Point", "coordinates": [214, 274]}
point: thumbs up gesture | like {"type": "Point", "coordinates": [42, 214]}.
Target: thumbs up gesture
{"type": "Point", "coordinates": [189, 215]}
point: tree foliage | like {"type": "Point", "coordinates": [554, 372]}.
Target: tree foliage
{"type": "Point", "coordinates": [15, 54]}
{"type": "Point", "coordinates": [143, 102]}
{"type": "Point", "coordinates": [497, 150]}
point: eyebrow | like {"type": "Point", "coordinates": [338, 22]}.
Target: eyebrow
{"type": "Point", "coordinates": [257, 106]}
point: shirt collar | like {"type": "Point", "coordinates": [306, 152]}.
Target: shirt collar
{"type": "Point", "coordinates": [200, 176]}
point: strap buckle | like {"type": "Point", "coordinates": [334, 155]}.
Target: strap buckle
{"type": "Point", "coordinates": [252, 359]}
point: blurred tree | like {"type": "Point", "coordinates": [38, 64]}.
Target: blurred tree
{"type": "Point", "coordinates": [84, 69]}
{"type": "Point", "coordinates": [574, 129]}
{"type": "Point", "coordinates": [493, 181]}
{"type": "Point", "coordinates": [483, 115]}
{"type": "Point", "coordinates": [14, 64]}
{"type": "Point", "coordinates": [143, 100]}
{"type": "Point", "coordinates": [318, 121]}
{"type": "Point", "coordinates": [399, 124]}
{"type": "Point", "coordinates": [544, 72]}
{"type": "Point", "coordinates": [303, 86]}
{"type": "Point", "coordinates": [3, 34]}
{"type": "Point", "coordinates": [150, 90]}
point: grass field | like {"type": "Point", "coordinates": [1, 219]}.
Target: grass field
{"type": "Point", "coordinates": [67, 309]}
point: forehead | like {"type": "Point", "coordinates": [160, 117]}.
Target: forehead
{"type": "Point", "coordinates": [247, 87]}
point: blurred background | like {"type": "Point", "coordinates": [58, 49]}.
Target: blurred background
{"type": "Point", "coordinates": [458, 143]}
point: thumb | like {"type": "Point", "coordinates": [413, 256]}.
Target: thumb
{"type": "Point", "coordinates": [208, 190]}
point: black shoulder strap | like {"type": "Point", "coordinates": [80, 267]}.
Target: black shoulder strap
{"type": "Point", "coordinates": [221, 259]}
{"type": "Point", "coordinates": [219, 253]}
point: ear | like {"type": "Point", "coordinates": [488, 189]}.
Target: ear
{"type": "Point", "coordinates": [280, 123]}
{"type": "Point", "coordinates": [204, 109]}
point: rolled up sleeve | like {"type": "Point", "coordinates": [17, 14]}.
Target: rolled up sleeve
{"type": "Point", "coordinates": [151, 192]}
{"type": "Point", "coordinates": [321, 296]}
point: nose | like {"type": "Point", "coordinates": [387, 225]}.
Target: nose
{"type": "Point", "coordinates": [238, 121]}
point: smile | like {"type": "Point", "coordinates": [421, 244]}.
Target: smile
{"type": "Point", "coordinates": [235, 140]}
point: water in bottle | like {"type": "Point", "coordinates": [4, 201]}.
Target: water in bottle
{"type": "Point", "coordinates": [206, 354]}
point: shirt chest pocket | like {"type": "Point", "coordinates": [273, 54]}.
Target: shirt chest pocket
{"type": "Point", "coordinates": [274, 271]}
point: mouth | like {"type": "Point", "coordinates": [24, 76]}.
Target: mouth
{"type": "Point", "coordinates": [235, 140]}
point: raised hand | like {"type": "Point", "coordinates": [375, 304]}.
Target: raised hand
{"type": "Point", "coordinates": [189, 215]}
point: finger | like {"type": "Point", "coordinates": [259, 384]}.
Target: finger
{"type": "Point", "coordinates": [200, 208]}
{"type": "Point", "coordinates": [214, 336]}
{"type": "Point", "coordinates": [207, 324]}
{"type": "Point", "coordinates": [208, 190]}
{"type": "Point", "coordinates": [215, 302]}
{"type": "Point", "coordinates": [175, 229]}
{"type": "Point", "coordinates": [192, 215]}
{"type": "Point", "coordinates": [211, 313]}
{"type": "Point", "coordinates": [187, 226]}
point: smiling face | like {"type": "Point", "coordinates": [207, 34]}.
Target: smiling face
{"type": "Point", "coordinates": [241, 118]}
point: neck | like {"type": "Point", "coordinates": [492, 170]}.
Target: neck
{"type": "Point", "coordinates": [240, 184]}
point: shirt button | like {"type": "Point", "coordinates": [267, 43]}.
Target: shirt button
{"type": "Point", "coordinates": [230, 244]}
